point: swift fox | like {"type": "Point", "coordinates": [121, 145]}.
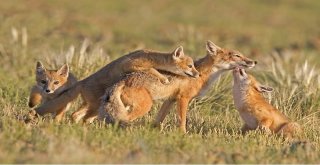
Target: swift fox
{"type": "Point", "coordinates": [49, 84]}
{"type": "Point", "coordinates": [132, 97]}
{"type": "Point", "coordinates": [93, 87]}
{"type": "Point", "coordinates": [255, 111]}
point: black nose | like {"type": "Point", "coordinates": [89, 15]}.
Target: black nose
{"type": "Point", "coordinates": [47, 90]}
{"type": "Point", "coordinates": [255, 62]}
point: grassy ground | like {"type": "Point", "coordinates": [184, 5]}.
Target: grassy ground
{"type": "Point", "coordinates": [282, 35]}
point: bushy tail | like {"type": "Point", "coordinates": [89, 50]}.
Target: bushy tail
{"type": "Point", "coordinates": [60, 101]}
{"type": "Point", "coordinates": [291, 130]}
{"type": "Point", "coordinates": [112, 107]}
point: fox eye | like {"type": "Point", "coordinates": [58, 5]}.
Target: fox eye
{"type": "Point", "coordinates": [237, 55]}
{"type": "Point", "coordinates": [56, 82]}
{"type": "Point", "coordinates": [190, 66]}
{"type": "Point", "coordinates": [43, 81]}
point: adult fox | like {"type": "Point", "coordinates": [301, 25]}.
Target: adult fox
{"type": "Point", "coordinates": [93, 87]}
{"type": "Point", "coordinates": [132, 97]}
{"type": "Point", "coordinates": [49, 84]}
{"type": "Point", "coordinates": [255, 110]}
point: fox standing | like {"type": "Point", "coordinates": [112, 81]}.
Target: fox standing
{"type": "Point", "coordinates": [49, 84]}
{"type": "Point", "coordinates": [255, 111]}
{"type": "Point", "coordinates": [93, 87]}
{"type": "Point", "coordinates": [132, 97]}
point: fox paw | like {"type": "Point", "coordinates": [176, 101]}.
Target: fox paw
{"type": "Point", "coordinates": [165, 81]}
{"type": "Point", "coordinates": [31, 117]}
{"type": "Point", "coordinates": [266, 130]}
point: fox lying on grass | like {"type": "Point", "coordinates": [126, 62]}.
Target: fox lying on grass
{"type": "Point", "coordinates": [93, 87]}
{"type": "Point", "coordinates": [132, 97]}
{"type": "Point", "coordinates": [49, 84]}
{"type": "Point", "coordinates": [255, 111]}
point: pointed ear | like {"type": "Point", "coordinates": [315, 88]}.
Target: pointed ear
{"type": "Point", "coordinates": [178, 53]}
{"type": "Point", "coordinates": [64, 70]}
{"type": "Point", "coordinates": [40, 68]}
{"type": "Point", "coordinates": [262, 88]}
{"type": "Point", "coordinates": [212, 48]}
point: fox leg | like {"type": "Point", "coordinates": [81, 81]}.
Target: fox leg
{"type": "Point", "coordinates": [161, 77]}
{"type": "Point", "coordinates": [152, 71]}
{"type": "Point", "coordinates": [245, 128]}
{"type": "Point", "coordinates": [265, 125]}
{"type": "Point", "coordinates": [60, 113]}
{"type": "Point", "coordinates": [290, 130]}
{"type": "Point", "coordinates": [142, 109]}
{"type": "Point", "coordinates": [35, 97]}
{"type": "Point", "coordinates": [92, 112]}
{"type": "Point", "coordinates": [164, 110]}
{"type": "Point", "coordinates": [80, 113]}
{"type": "Point", "coordinates": [137, 99]}
{"type": "Point", "coordinates": [182, 112]}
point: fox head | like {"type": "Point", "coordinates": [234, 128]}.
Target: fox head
{"type": "Point", "coordinates": [228, 59]}
{"type": "Point", "coordinates": [244, 81]}
{"type": "Point", "coordinates": [183, 64]}
{"type": "Point", "coordinates": [51, 80]}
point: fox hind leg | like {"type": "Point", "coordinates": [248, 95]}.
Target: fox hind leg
{"type": "Point", "coordinates": [163, 112]}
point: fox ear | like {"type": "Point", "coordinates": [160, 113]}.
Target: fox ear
{"type": "Point", "coordinates": [40, 68]}
{"type": "Point", "coordinates": [178, 53]}
{"type": "Point", "coordinates": [64, 70]}
{"type": "Point", "coordinates": [262, 88]}
{"type": "Point", "coordinates": [212, 48]}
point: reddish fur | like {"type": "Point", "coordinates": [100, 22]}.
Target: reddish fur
{"type": "Point", "coordinates": [257, 112]}
{"type": "Point", "coordinates": [181, 89]}
{"type": "Point", "coordinates": [92, 88]}
{"type": "Point", "coordinates": [39, 95]}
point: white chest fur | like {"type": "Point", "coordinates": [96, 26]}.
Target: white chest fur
{"type": "Point", "coordinates": [213, 77]}
{"type": "Point", "coordinates": [249, 119]}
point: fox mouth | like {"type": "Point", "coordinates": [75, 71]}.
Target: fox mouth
{"type": "Point", "coordinates": [242, 72]}
{"type": "Point", "coordinates": [190, 75]}
{"type": "Point", "coordinates": [247, 66]}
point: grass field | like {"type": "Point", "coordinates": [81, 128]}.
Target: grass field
{"type": "Point", "coordinates": [282, 35]}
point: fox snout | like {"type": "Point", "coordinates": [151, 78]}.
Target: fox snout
{"type": "Point", "coordinates": [47, 90]}
{"type": "Point", "coordinates": [251, 63]}
{"type": "Point", "coordinates": [193, 73]}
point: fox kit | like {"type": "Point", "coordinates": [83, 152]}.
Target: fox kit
{"type": "Point", "coordinates": [255, 111]}
{"type": "Point", "coordinates": [93, 87]}
{"type": "Point", "coordinates": [49, 84]}
{"type": "Point", "coordinates": [132, 97]}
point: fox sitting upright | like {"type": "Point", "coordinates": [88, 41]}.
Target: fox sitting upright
{"type": "Point", "coordinates": [50, 83]}
{"type": "Point", "coordinates": [93, 87]}
{"type": "Point", "coordinates": [255, 111]}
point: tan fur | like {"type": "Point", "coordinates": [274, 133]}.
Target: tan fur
{"type": "Point", "coordinates": [139, 89]}
{"type": "Point", "coordinates": [255, 111]}
{"type": "Point", "coordinates": [93, 87]}
{"type": "Point", "coordinates": [49, 84]}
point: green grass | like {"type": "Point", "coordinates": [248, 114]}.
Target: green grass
{"type": "Point", "coordinates": [88, 35]}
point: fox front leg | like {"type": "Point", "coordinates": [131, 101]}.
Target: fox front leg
{"type": "Point", "coordinates": [265, 126]}
{"type": "Point", "coordinates": [182, 112]}
{"type": "Point", "coordinates": [160, 76]}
